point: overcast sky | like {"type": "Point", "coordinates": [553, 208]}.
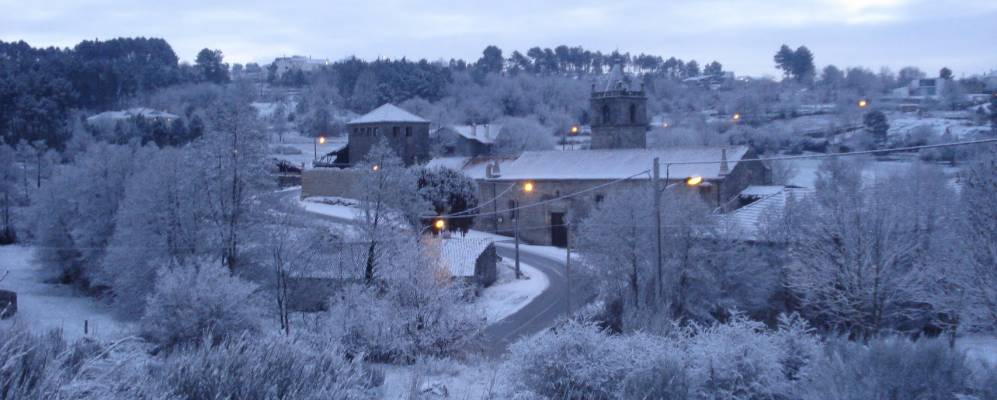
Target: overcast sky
{"type": "Point", "coordinates": [743, 35]}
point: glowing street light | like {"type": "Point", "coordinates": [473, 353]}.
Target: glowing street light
{"type": "Point", "coordinates": [528, 187]}
{"type": "Point", "coordinates": [318, 141]}
{"type": "Point", "coordinates": [863, 103]}
{"type": "Point", "coordinates": [574, 129]}
{"type": "Point", "coordinates": [439, 224]}
{"type": "Point", "coordinates": [375, 168]}
{"type": "Point", "coordinates": [736, 117]}
{"type": "Point", "coordinates": [693, 180]}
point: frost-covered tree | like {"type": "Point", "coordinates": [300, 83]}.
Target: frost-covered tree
{"type": "Point", "coordinates": [8, 193]}
{"type": "Point", "coordinates": [450, 192]}
{"type": "Point", "coordinates": [161, 222]}
{"type": "Point", "coordinates": [389, 200]}
{"type": "Point", "coordinates": [232, 171]}
{"type": "Point", "coordinates": [420, 311]}
{"type": "Point", "coordinates": [75, 214]}
{"type": "Point", "coordinates": [522, 134]}
{"type": "Point", "coordinates": [979, 234]}
{"type": "Point", "coordinates": [857, 251]}
{"type": "Point", "coordinates": [197, 300]}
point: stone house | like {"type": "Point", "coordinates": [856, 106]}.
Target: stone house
{"type": "Point", "coordinates": [558, 173]}
{"type": "Point", "coordinates": [407, 133]}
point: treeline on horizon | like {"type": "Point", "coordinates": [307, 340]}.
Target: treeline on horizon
{"type": "Point", "coordinates": [43, 90]}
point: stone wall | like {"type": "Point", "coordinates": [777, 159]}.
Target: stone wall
{"type": "Point", "coordinates": [409, 139]}
{"type": "Point", "coordinates": [330, 182]}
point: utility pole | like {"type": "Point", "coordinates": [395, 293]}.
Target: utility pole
{"type": "Point", "coordinates": [518, 273]}
{"type": "Point", "coordinates": [657, 223]}
{"type": "Point", "coordinates": [567, 264]}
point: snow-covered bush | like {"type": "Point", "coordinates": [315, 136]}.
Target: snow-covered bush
{"type": "Point", "coordinates": [190, 302]}
{"type": "Point", "coordinates": [264, 367]}
{"type": "Point", "coordinates": [449, 191]}
{"type": "Point", "coordinates": [888, 368]}
{"type": "Point", "coordinates": [665, 377]}
{"type": "Point", "coordinates": [579, 361]}
{"type": "Point", "coordinates": [737, 360]}
{"type": "Point", "coordinates": [522, 134]}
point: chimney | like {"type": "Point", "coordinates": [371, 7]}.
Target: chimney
{"type": "Point", "coordinates": [492, 170]}
{"type": "Point", "coordinates": [724, 169]}
{"type": "Point", "coordinates": [487, 129]}
{"type": "Point", "coordinates": [474, 129]}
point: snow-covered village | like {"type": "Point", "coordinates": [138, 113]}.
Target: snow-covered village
{"type": "Point", "coordinates": [421, 200]}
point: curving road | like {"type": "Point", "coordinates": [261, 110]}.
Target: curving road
{"type": "Point", "coordinates": [539, 314]}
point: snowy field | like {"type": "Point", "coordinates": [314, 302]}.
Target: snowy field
{"type": "Point", "coordinates": [43, 307]}
{"type": "Point", "coordinates": [961, 128]}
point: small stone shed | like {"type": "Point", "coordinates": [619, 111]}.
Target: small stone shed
{"type": "Point", "coordinates": [472, 260]}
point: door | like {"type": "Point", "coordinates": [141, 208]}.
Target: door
{"type": "Point", "coordinates": [558, 230]}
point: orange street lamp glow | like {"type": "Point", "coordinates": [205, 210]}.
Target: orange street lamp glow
{"type": "Point", "coordinates": [863, 103]}
{"type": "Point", "coordinates": [574, 129]}
{"type": "Point", "coordinates": [693, 180]}
{"type": "Point", "coordinates": [528, 187]}
{"type": "Point", "coordinates": [321, 140]}
{"type": "Point", "coordinates": [737, 116]}
{"type": "Point", "coordinates": [375, 167]}
{"type": "Point", "coordinates": [439, 224]}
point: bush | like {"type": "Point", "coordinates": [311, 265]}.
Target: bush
{"type": "Point", "coordinates": [666, 378]}
{"type": "Point", "coordinates": [579, 361]}
{"type": "Point", "coordinates": [888, 368]}
{"type": "Point", "coordinates": [737, 360]}
{"type": "Point", "coordinates": [189, 302]}
{"type": "Point", "coordinates": [270, 367]}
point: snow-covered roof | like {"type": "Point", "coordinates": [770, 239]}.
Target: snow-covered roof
{"type": "Point", "coordinates": [600, 164]}
{"type": "Point", "coordinates": [770, 206]}
{"type": "Point", "coordinates": [131, 112]}
{"type": "Point", "coordinates": [485, 133]}
{"type": "Point", "coordinates": [460, 255]}
{"type": "Point", "coordinates": [388, 113]}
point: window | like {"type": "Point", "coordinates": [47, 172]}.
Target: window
{"type": "Point", "coordinates": [599, 198]}
{"type": "Point", "coordinates": [408, 131]}
{"type": "Point", "coordinates": [605, 114]}
{"type": "Point", "coordinates": [633, 113]}
{"type": "Point", "coordinates": [512, 209]}
{"type": "Point", "coordinates": [374, 130]}
{"type": "Point", "coordinates": [395, 130]}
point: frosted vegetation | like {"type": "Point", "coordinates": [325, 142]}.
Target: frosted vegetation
{"type": "Point", "coordinates": [863, 289]}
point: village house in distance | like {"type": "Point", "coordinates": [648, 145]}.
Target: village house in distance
{"type": "Point", "coordinates": [619, 129]}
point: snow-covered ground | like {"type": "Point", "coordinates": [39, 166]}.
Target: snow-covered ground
{"type": "Point", "coordinates": [981, 349]}
{"type": "Point", "coordinates": [334, 207]}
{"type": "Point", "coordinates": [42, 307]}
{"type": "Point", "coordinates": [443, 379]}
{"type": "Point", "coordinates": [305, 147]}
{"type": "Point", "coordinates": [508, 294]}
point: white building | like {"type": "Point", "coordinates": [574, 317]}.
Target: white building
{"type": "Point", "coordinates": [302, 63]}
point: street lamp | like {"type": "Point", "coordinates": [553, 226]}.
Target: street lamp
{"type": "Point", "coordinates": [527, 188]}
{"type": "Point", "coordinates": [690, 181]}
{"type": "Point", "coordinates": [736, 117]}
{"type": "Point", "coordinates": [574, 129]}
{"type": "Point", "coordinates": [319, 140]}
{"type": "Point", "coordinates": [438, 225]}
{"type": "Point", "coordinates": [863, 103]}
{"type": "Point", "coordinates": [375, 168]}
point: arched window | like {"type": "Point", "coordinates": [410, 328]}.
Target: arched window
{"type": "Point", "coordinates": [605, 113]}
{"type": "Point", "coordinates": [633, 113]}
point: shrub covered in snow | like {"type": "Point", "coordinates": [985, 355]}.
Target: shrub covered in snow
{"type": "Point", "coordinates": [579, 361]}
{"type": "Point", "coordinates": [189, 302]}
{"type": "Point", "coordinates": [268, 367]}
{"type": "Point", "coordinates": [889, 368]}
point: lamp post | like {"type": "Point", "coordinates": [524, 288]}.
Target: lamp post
{"type": "Point", "coordinates": [863, 103]}
{"type": "Point", "coordinates": [438, 224]}
{"type": "Point", "coordinates": [319, 140]}
{"type": "Point", "coordinates": [691, 181]}
{"type": "Point", "coordinates": [527, 189]}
